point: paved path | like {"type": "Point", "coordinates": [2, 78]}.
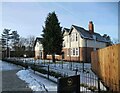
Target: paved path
{"type": "Point", "coordinates": [11, 83]}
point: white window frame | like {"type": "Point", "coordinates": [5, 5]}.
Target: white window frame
{"type": "Point", "coordinates": [77, 51]}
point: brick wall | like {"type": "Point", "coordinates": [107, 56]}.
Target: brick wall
{"type": "Point", "coordinates": [84, 55]}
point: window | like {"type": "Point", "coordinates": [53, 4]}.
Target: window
{"type": "Point", "coordinates": [72, 37]}
{"type": "Point", "coordinates": [73, 51]}
{"type": "Point", "coordinates": [77, 51]}
{"type": "Point", "coordinates": [76, 37]}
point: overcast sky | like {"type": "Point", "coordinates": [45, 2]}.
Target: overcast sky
{"type": "Point", "coordinates": [28, 17]}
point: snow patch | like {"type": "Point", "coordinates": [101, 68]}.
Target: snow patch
{"type": "Point", "coordinates": [4, 66]}
{"type": "Point", "coordinates": [35, 82]}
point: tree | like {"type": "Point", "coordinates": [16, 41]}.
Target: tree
{"type": "Point", "coordinates": [31, 41]}
{"type": "Point", "coordinates": [115, 41]}
{"type": "Point", "coordinates": [26, 46]}
{"type": "Point", "coordinates": [107, 37]}
{"type": "Point", "coordinates": [5, 40]}
{"type": "Point", "coordinates": [15, 39]}
{"type": "Point", "coordinates": [52, 36]}
{"type": "Point", "coordinates": [14, 42]}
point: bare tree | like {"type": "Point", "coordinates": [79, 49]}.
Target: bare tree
{"type": "Point", "coordinates": [31, 40]}
{"type": "Point", "coordinates": [115, 41]}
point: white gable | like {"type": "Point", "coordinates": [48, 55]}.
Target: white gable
{"type": "Point", "coordinates": [38, 46]}
{"type": "Point", "coordinates": [75, 40]}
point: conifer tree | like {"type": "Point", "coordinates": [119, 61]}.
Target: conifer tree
{"type": "Point", "coordinates": [52, 36]}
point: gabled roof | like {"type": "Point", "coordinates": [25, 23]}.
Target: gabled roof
{"type": "Point", "coordinates": [38, 39]}
{"type": "Point", "coordinates": [87, 35]}
{"type": "Point", "coordinates": [66, 30]}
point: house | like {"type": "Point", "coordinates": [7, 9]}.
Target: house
{"type": "Point", "coordinates": [38, 48]}
{"type": "Point", "coordinates": [79, 43]}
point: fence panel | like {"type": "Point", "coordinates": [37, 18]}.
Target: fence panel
{"type": "Point", "coordinates": [106, 64]}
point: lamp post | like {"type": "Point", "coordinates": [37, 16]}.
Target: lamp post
{"type": "Point", "coordinates": [25, 61]}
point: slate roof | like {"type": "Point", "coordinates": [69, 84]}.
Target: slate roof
{"type": "Point", "coordinates": [66, 29]}
{"type": "Point", "coordinates": [87, 35]}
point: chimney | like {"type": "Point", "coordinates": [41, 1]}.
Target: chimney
{"type": "Point", "coordinates": [91, 27]}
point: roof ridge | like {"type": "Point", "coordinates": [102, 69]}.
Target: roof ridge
{"type": "Point", "coordinates": [78, 26]}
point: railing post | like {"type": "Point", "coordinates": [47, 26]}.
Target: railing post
{"type": "Point", "coordinates": [83, 67]}
{"type": "Point", "coordinates": [34, 66]}
{"type": "Point", "coordinates": [76, 70]}
{"type": "Point", "coordinates": [62, 63]}
{"type": "Point", "coordinates": [98, 85]}
{"type": "Point", "coordinates": [48, 71]}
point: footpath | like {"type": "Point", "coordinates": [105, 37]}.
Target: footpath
{"type": "Point", "coordinates": [11, 83]}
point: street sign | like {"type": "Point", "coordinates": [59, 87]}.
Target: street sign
{"type": "Point", "coordinates": [69, 84]}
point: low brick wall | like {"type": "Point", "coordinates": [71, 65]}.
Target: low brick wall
{"type": "Point", "coordinates": [84, 55]}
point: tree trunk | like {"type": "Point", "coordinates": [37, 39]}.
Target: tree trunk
{"type": "Point", "coordinates": [44, 55]}
{"type": "Point", "coordinates": [53, 57]}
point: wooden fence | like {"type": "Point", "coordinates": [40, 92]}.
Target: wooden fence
{"type": "Point", "coordinates": [106, 64]}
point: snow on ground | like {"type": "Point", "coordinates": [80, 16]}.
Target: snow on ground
{"type": "Point", "coordinates": [89, 79]}
{"type": "Point", "coordinates": [7, 66]}
{"type": "Point", "coordinates": [66, 70]}
{"type": "Point", "coordinates": [35, 82]}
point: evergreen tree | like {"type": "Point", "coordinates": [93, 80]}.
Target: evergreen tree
{"type": "Point", "coordinates": [14, 42]}
{"type": "Point", "coordinates": [5, 41]}
{"type": "Point", "coordinates": [15, 39]}
{"type": "Point", "coordinates": [52, 36]}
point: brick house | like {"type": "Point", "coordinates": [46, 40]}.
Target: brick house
{"type": "Point", "coordinates": [79, 43]}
